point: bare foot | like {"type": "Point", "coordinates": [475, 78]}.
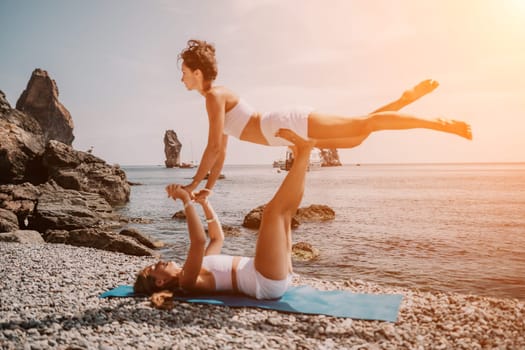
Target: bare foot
{"type": "Point", "coordinates": [297, 140]}
{"type": "Point", "coordinates": [420, 90]}
{"type": "Point", "coordinates": [457, 127]}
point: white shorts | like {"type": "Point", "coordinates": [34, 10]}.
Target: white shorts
{"type": "Point", "coordinates": [293, 118]}
{"type": "Point", "coordinates": [252, 283]}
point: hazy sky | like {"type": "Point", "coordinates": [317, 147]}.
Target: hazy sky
{"type": "Point", "coordinates": [115, 64]}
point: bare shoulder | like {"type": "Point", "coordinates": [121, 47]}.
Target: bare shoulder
{"type": "Point", "coordinates": [205, 282]}
{"type": "Point", "coordinates": [222, 95]}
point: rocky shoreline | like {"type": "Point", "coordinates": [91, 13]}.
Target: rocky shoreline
{"type": "Point", "coordinates": [51, 191]}
{"type": "Point", "coordinates": [49, 299]}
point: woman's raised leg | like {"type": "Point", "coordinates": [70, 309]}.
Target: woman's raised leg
{"type": "Point", "coordinates": [330, 131]}
{"type": "Point", "coordinates": [274, 242]}
{"type": "Point", "coordinates": [410, 95]}
{"type": "Point", "coordinates": [335, 131]}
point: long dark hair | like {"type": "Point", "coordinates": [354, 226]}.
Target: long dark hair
{"type": "Point", "coordinates": [160, 297]}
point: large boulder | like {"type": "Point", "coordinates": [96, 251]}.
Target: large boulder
{"type": "Point", "coordinates": [83, 171]}
{"type": "Point", "coordinates": [252, 220]}
{"type": "Point", "coordinates": [313, 213]}
{"type": "Point", "coordinates": [172, 148]}
{"type": "Point", "coordinates": [22, 236]}
{"type": "Point", "coordinates": [304, 251]}
{"type": "Point", "coordinates": [63, 209]}
{"type": "Point", "coordinates": [100, 239]}
{"type": "Point", "coordinates": [8, 221]}
{"type": "Point", "coordinates": [21, 145]}
{"type": "Point", "coordinates": [40, 100]}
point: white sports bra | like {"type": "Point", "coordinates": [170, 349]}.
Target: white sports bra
{"type": "Point", "coordinates": [220, 267]}
{"type": "Point", "coordinates": [236, 118]}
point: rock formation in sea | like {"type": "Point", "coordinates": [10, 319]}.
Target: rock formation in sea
{"type": "Point", "coordinates": [312, 213]}
{"type": "Point", "coordinates": [47, 186]}
{"type": "Point", "coordinates": [172, 149]}
{"type": "Point", "coordinates": [304, 251]}
{"type": "Point", "coordinates": [329, 157]}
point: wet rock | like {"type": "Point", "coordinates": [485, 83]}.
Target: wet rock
{"type": "Point", "coordinates": [304, 251]}
{"type": "Point", "coordinates": [252, 220]}
{"type": "Point", "coordinates": [179, 215]}
{"type": "Point", "coordinates": [231, 231]}
{"type": "Point", "coordinates": [315, 213]}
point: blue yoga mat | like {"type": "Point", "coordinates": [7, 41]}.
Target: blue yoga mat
{"type": "Point", "coordinates": [301, 299]}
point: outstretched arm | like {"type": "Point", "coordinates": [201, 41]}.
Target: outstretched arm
{"type": "Point", "coordinates": [214, 226]}
{"type": "Point", "coordinates": [193, 263]}
{"type": "Point", "coordinates": [211, 158]}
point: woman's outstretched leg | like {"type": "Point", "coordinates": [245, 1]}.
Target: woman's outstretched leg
{"type": "Point", "coordinates": [410, 95]}
{"type": "Point", "coordinates": [331, 131]}
{"type": "Point", "coordinates": [274, 242]}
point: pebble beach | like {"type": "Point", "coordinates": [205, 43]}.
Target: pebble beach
{"type": "Point", "coordinates": [49, 300]}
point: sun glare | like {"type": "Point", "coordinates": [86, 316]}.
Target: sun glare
{"type": "Point", "coordinates": [518, 5]}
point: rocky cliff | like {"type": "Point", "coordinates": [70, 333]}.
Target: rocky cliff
{"type": "Point", "coordinates": [40, 100]}
{"type": "Point", "coordinates": [48, 186]}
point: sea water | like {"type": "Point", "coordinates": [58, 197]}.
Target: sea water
{"type": "Point", "coordinates": [444, 227]}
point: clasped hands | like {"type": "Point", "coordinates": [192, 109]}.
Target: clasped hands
{"type": "Point", "coordinates": [177, 191]}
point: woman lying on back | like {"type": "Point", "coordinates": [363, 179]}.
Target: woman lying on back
{"type": "Point", "coordinates": [266, 275]}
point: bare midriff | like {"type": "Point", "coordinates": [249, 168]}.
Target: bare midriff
{"type": "Point", "coordinates": [252, 131]}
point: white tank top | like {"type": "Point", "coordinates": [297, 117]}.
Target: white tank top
{"type": "Point", "coordinates": [220, 266]}
{"type": "Point", "coordinates": [236, 118]}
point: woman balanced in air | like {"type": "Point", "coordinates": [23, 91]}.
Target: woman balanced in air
{"type": "Point", "coordinates": [265, 276]}
{"type": "Point", "coordinates": [229, 114]}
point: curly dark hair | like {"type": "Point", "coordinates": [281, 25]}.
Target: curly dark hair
{"type": "Point", "coordinates": [200, 54]}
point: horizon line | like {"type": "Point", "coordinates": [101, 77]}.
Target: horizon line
{"type": "Point", "coordinates": [354, 164]}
